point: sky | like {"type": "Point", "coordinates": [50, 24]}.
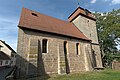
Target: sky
{"type": "Point", "coordinates": [10, 11]}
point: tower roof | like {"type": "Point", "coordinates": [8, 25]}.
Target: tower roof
{"type": "Point", "coordinates": [81, 11]}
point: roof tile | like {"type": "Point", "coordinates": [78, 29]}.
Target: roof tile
{"type": "Point", "coordinates": [37, 21]}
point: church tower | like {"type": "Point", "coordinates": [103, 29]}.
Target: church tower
{"type": "Point", "coordinates": [86, 23]}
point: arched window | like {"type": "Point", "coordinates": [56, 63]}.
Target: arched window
{"type": "Point", "coordinates": [44, 46]}
{"type": "Point", "coordinates": [77, 48]}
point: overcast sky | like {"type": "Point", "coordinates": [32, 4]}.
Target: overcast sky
{"type": "Point", "coordinates": [10, 12]}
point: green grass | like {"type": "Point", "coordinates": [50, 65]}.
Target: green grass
{"type": "Point", "coordinates": [95, 75]}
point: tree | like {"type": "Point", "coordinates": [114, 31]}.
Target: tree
{"type": "Point", "coordinates": [108, 27]}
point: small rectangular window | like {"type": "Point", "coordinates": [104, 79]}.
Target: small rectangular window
{"type": "Point", "coordinates": [44, 46]}
{"type": "Point", "coordinates": [78, 48]}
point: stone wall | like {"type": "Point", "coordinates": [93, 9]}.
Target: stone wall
{"type": "Point", "coordinates": [97, 55]}
{"type": "Point", "coordinates": [116, 65]}
{"type": "Point", "coordinates": [22, 54]}
{"type": "Point", "coordinates": [88, 27]}
{"type": "Point", "coordinates": [32, 60]}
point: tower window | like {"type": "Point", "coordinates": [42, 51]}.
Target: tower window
{"type": "Point", "coordinates": [44, 46]}
{"type": "Point", "coordinates": [77, 48]}
{"type": "Point", "coordinates": [86, 12]}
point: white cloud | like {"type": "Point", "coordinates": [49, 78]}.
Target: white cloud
{"type": "Point", "coordinates": [112, 1]}
{"type": "Point", "coordinates": [93, 1]}
{"type": "Point", "coordinates": [115, 1]}
{"type": "Point", "coordinates": [106, 0]}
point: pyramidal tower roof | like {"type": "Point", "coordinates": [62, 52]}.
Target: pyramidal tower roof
{"type": "Point", "coordinates": [81, 11]}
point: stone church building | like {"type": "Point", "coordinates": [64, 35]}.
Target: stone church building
{"type": "Point", "coordinates": [48, 45]}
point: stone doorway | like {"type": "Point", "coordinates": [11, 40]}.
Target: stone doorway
{"type": "Point", "coordinates": [94, 58]}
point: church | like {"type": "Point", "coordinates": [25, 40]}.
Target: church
{"type": "Point", "coordinates": [47, 45]}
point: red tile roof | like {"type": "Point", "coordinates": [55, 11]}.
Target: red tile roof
{"type": "Point", "coordinates": [36, 21]}
{"type": "Point", "coordinates": [81, 11]}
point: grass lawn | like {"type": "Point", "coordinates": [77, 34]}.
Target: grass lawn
{"type": "Point", "coordinates": [95, 75]}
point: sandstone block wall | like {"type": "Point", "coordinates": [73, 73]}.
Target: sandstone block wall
{"type": "Point", "coordinates": [88, 27]}
{"type": "Point", "coordinates": [116, 65]}
{"type": "Point", "coordinates": [31, 60]}
{"type": "Point", "coordinates": [97, 54]}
